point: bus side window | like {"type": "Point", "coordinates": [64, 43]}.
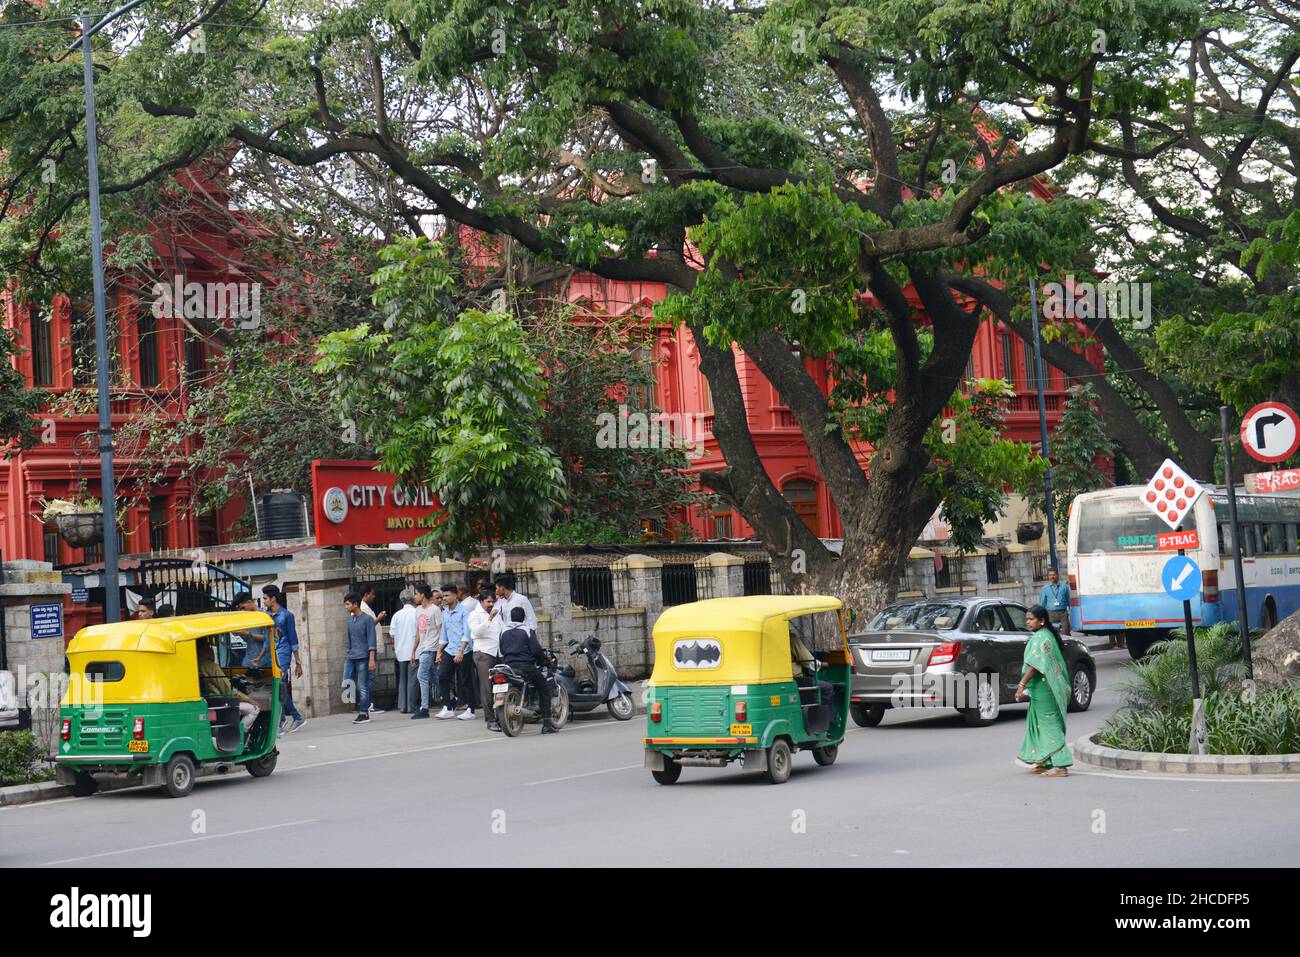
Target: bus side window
{"type": "Point", "coordinates": [1225, 538]}
{"type": "Point", "coordinates": [1292, 545]}
{"type": "Point", "coordinates": [1248, 539]}
{"type": "Point", "coordinates": [1277, 538]}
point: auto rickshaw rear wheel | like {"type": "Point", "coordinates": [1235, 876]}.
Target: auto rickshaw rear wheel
{"type": "Point", "coordinates": [779, 761]}
{"type": "Point", "coordinates": [84, 784]}
{"type": "Point", "coordinates": [826, 754]}
{"type": "Point", "coordinates": [178, 776]}
{"type": "Point", "coordinates": [867, 715]}
{"type": "Point", "coordinates": [263, 766]}
{"type": "Point", "coordinates": [671, 772]}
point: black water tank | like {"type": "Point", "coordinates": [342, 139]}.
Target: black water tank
{"type": "Point", "coordinates": [282, 514]}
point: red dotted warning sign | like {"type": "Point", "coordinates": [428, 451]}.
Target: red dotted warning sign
{"type": "Point", "coordinates": [1171, 493]}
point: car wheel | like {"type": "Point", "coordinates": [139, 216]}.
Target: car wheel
{"type": "Point", "coordinates": [84, 785]}
{"type": "Point", "coordinates": [867, 715]}
{"type": "Point", "coordinates": [671, 772]}
{"type": "Point", "coordinates": [826, 754]}
{"type": "Point", "coordinates": [178, 776]}
{"type": "Point", "coordinates": [779, 762]}
{"type": "Point", "coordinates": [263, 766]}
{"type": "Point", "coordinates": [988, 703]}
{"type": "Point", "coordinates": [1080, 689]}
{"type": "Point", "coordinates": [622, 708]}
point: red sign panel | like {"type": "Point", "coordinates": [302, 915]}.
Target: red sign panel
{"type": "Point", "coordinates": [1283, 480]}
{"type": "Point", "coordinates": [354, 504]}
{"type": "Point", "coordinates": [1172, 541]}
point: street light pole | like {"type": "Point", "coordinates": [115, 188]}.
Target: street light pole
{"type": "Point", "coordinates": [108, 493]}
{"type": "Point", "coordinates": [1042, 423]}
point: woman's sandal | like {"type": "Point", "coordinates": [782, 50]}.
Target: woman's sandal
{"type": "Point", "coordinates": [1056, 773]}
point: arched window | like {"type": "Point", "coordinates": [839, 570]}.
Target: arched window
{"type": "Point", "coordinates": [802, 494]}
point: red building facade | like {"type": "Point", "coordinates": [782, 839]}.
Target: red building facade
{"type": "Point", "coordinates": [157, 359]}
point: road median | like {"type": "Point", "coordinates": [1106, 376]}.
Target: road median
{"type": "Point", "coordinates": [1088, 750]}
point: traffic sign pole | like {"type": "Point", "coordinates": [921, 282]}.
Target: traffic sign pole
{"type": "Point", "coordinates": [1242, 624]}
{"type": "Point", "coordinates": [1196, 744]}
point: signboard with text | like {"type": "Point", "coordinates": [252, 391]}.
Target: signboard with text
{"type": "Point", "coordinates": [1172, 541]}
{"type": "Point", "coordinates": [47, 620]}
{"type": "Point", "coordinates": [354, 504]}
{"type": "Point", "coordinates": [1283, 480]}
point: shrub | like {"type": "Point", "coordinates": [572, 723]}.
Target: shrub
{"type": "Point", "coordinates": [1268, 725]}
{"type": "Point", "coordinates": [20, 754]}
{"type": "Point", "coordinates": [1163, 679]}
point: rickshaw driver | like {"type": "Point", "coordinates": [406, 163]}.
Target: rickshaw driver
{"type": "Point", "coordinates": [214, 679]}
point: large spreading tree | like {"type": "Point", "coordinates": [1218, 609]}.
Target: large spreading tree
{"type": "Point", "coordinates": [848, 180]}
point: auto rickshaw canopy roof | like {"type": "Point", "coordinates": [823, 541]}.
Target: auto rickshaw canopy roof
{"type": "Point", "coordinates": [161, 635]}
{"type": "Point", "coordinates": [751, 634]}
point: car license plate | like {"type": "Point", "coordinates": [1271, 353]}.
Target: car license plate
{"type": "Point", "coordinates": [1144, 623]}
{"type": "Point", "coordinates": [137, 747]}
{"type": "Point", "coordinates": [891, 654]}
{"type": "Point", "coordinates": [742, 730]}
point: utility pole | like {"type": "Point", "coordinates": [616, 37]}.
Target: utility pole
{"type": "Point", "coordinates": [1042, 424]}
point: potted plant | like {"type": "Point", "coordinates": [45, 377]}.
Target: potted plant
{"type": "Point", "coordinates": [80, 522]}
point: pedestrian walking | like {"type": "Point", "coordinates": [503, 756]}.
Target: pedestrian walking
{"type": "Point", "coordinates": [485, 632]}
{"type": "Point", "coordinates": [455, 662]}
{"type": "Point", "coordinates": [359, 666]}
{"type": "Point", "coordinates": [508, 600]}
{"type": "Point", "coordinates": [284, 634]}
{"type": "Point", "coordinates": [521, 651]}
{"type": "Point", "coordinates": [1055, 597]}
{"type": "Point", "coordinates": [1044, 683]}
{"type": "Point", "coordinates": [428, 631]}
{"type": "Point", "coordinates": [368, 599]}
{"type": "Point", "coordinates": [405, 632]}
{"type": "Point", "coordinates": [257, 642]}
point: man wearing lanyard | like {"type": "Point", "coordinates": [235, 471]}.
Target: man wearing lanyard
{"type": "Point", "coordinates": [1055, 597]}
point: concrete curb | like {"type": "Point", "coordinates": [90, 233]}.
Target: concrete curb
{"type": "Point", "coordinates": [1088, 751]}
{"type": "Point", "coordinates": [53, 790]}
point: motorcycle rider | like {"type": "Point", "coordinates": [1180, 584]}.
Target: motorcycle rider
{"type": "Point", "coordinates": [520, 649]}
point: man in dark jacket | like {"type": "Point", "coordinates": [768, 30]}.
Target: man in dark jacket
{"type": "Point", "coordinates": [520, 650]}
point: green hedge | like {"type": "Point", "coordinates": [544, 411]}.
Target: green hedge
{"type": "Point", "coordinates": [20, 759]}
{"type": "Point", "coordinates": [1157, 714]}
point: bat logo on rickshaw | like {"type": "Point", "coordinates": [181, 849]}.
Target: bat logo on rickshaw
{"type": "Point", "coordinates": [697, 653]}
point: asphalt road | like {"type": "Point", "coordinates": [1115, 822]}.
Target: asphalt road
{"type": "Point", "coordinates": [920, 789]}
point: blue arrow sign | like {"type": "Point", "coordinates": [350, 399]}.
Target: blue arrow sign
{"type": "Point", "coordinates": [1181, 577]}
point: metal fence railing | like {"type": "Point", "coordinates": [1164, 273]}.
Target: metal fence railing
{"type": "Point", "coordinates": [760, 577]}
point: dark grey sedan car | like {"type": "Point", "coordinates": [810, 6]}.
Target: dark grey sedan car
{"type": "Point", "coordinates": [963, 653]}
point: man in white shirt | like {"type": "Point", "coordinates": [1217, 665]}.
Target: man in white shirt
{"type": "Point", "coordinates": [508, 599]}
{"type": "Point", "coordinates": [485, 632]}
{"type": "Point", "coordinates": [428, 631]}
{"type": "Point", "coordinates": [405, 632]}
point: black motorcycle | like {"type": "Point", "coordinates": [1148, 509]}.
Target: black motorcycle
{"type": "Point", "coordinates": [515, 700]}
{"type": "Point", "coordinates": [603, 687]}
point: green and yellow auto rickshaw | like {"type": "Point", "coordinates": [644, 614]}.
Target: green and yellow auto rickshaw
{"type": "Point", "coordinates": [756, 678]}
{"type": "Point", "coordinates": [168, 699]}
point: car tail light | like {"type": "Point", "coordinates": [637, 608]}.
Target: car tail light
{"type": "Point", "coordinates": [65, 733]}
{"type": "Point", "coordinates": [498, 679]}
{"type": "Point", "coordinates": [742, 712]}
{"type": "Point", "coordinates": [945, 654]}
{"type": "Point", "coordinates": [1210, 586]}
{"type": "Point", "coordinates": [137, 732]}
{"type": "Point", "coordinates": [1073, 582]}
{"type": "Point", "coordinates": [656, 712]}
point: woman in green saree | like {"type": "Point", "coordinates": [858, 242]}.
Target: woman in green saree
{"type": "Point", "coordinates": [1045, 684]}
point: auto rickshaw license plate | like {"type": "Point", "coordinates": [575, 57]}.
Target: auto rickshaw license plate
{"type": "Point", "coordinates": [741, 730]}
{"type": "Point", "coordinates": [137, 747]}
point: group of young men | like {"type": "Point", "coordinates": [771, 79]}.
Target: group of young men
{"type": "Point", "coordinates": [448, 637]}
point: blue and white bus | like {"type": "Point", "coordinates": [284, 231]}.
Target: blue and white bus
{"type": "Point", "coordinates": [1114, 567]}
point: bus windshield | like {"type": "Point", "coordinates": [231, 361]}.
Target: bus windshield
{"type": "Point", "coordinates": [1117, 525]}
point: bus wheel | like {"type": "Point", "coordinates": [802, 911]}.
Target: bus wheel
{"type": "Point", "coordinates": [1268, 615]}
{"type": "Point", "coordinates": [1139, 645]}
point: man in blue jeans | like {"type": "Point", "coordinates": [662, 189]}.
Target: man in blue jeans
{"type": "Point", "coordinates": [359, 668]}
{"type": "Point", "coordinates": [284, 633]}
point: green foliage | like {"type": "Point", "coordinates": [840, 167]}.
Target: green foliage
{"type": "Point", "coordinates": [1157, 714]}
{"type": "Point", "coordinates": [20, 756]}
{"type": "Point", "coordinates": [1078, 441]}
{"type": "Point", "coordinates": [18, 403]}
